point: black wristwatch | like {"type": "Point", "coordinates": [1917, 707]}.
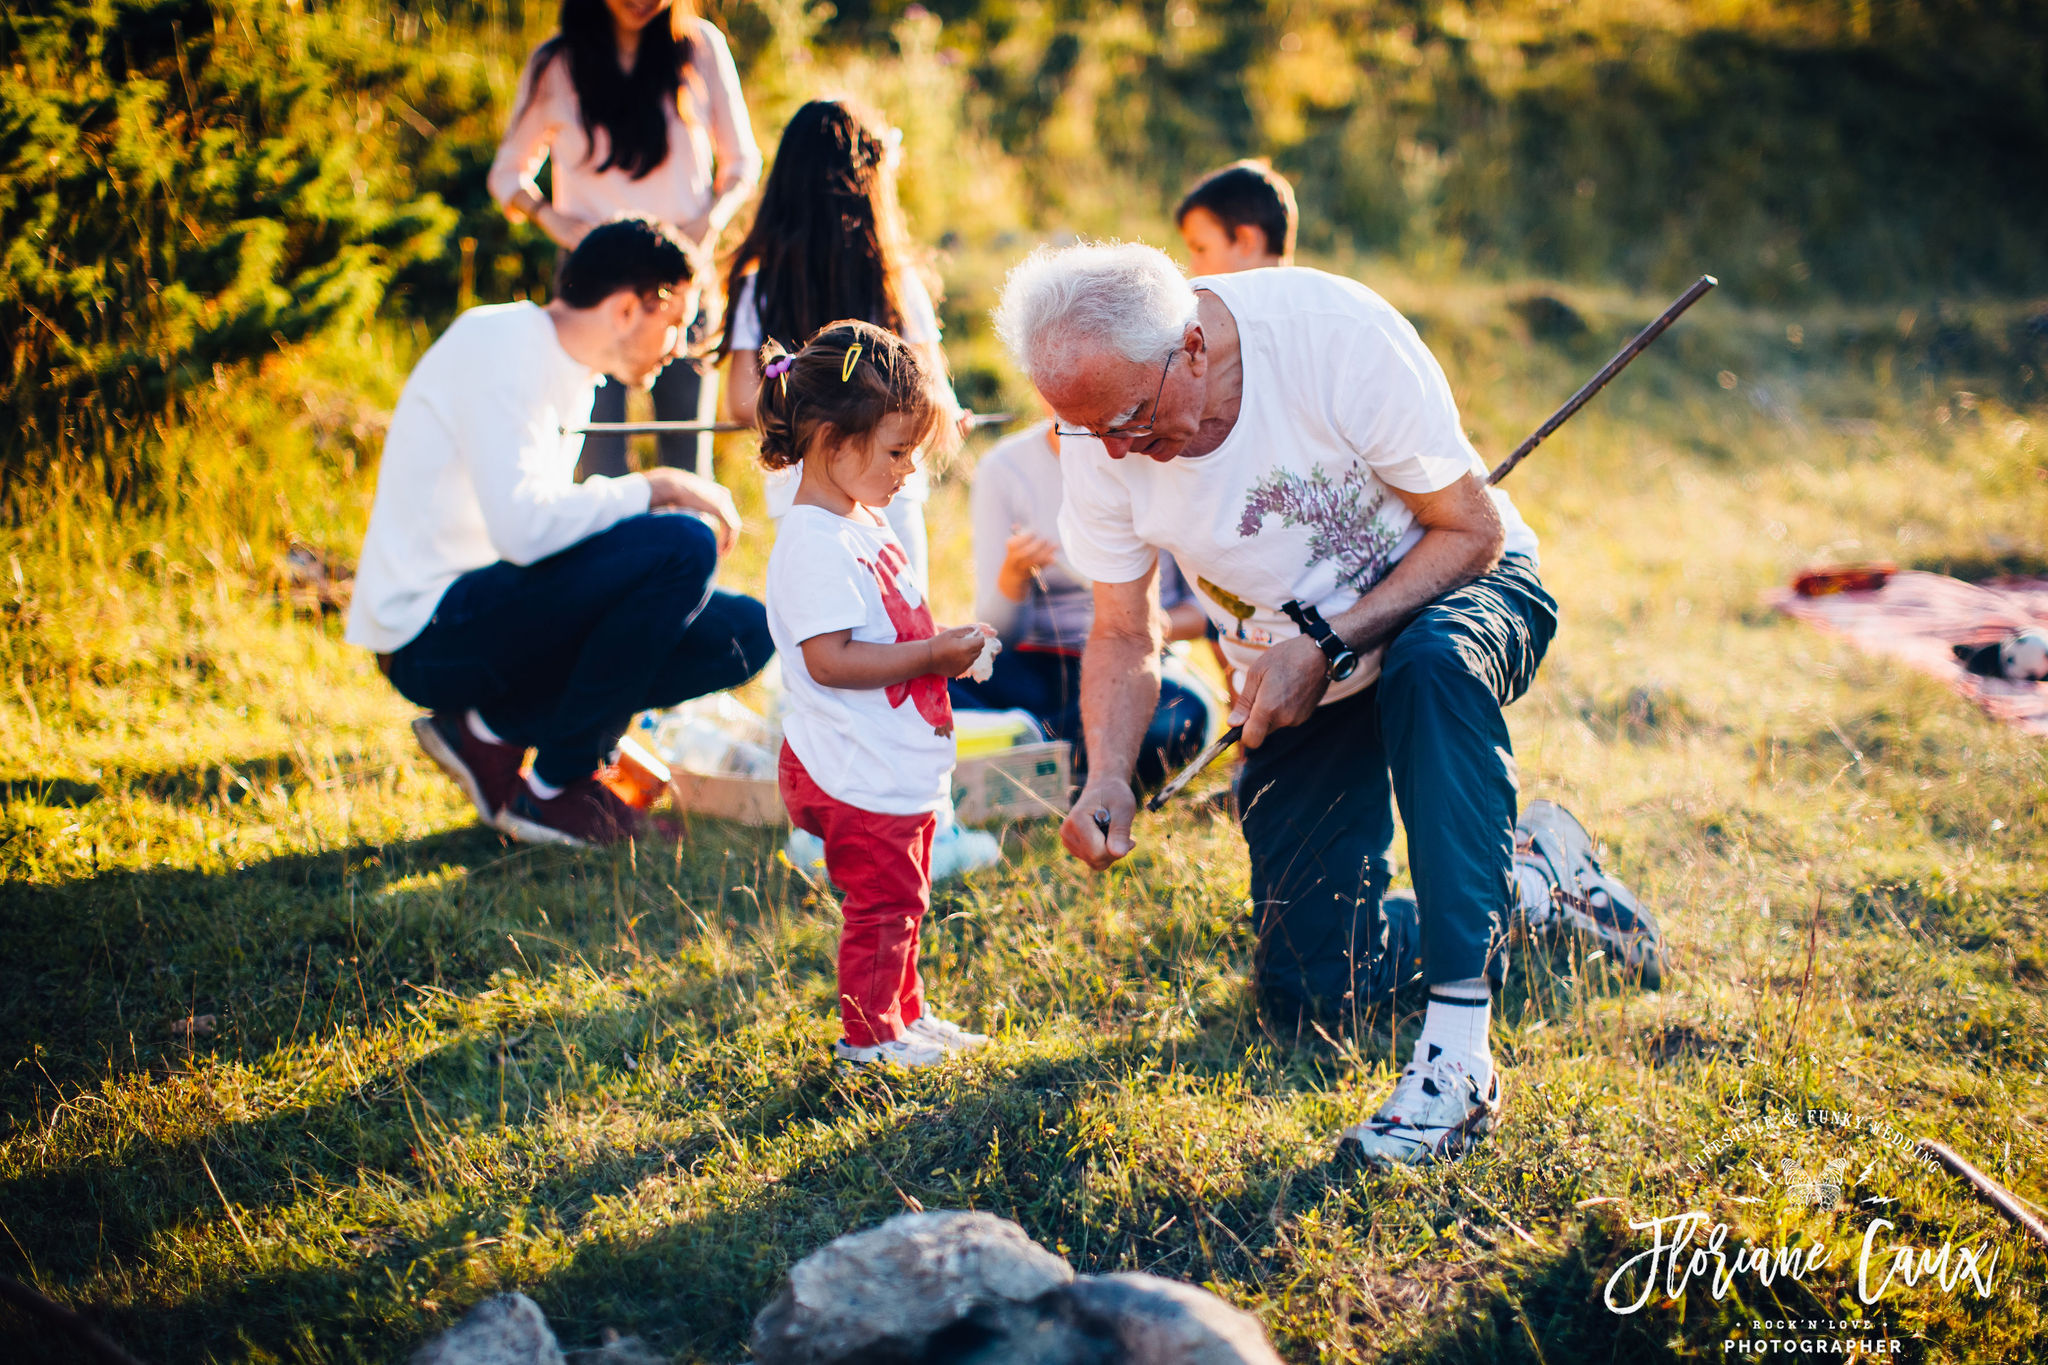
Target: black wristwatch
{"type": "Point", "coordinates": [1343, 660]}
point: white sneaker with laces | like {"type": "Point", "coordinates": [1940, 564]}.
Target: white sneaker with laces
{"type": "Point", "coordinates": [1437, 1113]}
{"type": "Point", "coordinates": [957, 850]}
{"type": "Point", "coordinates": [908, 1051]}
{"type": "Point", "coordinates": [947, 1034]}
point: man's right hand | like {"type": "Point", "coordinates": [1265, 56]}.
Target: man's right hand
{"type": "Point", "coordinates": [1024, 554]}
{"type": "Point", "coordinates": [682, 489]}
{"type": "Point", "coordinates": [1083, 835]}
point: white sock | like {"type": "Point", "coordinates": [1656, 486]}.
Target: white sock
{"type": "Point", "coordinates": [1454, 1028]}
{"type": "Point", "coordinates": [477, 727]}
{"type": "Point", "coordinates": [546, 791]}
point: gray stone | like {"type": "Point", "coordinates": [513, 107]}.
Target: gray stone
{"type": "Point", "coordinates": [507, 1330]}
{"type": "Point", "coordinates": [884, 1293]}
{"type": "Point", "coordinates": [1164, 1322]}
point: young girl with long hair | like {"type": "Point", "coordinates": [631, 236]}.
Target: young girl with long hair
{"type": "Point", "coordinates": [638, 104]}
{"type": "Point", "coordinates": [867, 757]}
{"type": "Point", "coordinates": [827, 242]}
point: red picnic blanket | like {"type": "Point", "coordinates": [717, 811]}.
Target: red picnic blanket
{"type": "Point", "coordinates": [1917, 618]}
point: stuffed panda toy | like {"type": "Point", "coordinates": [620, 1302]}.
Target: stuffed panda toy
{"type": "Point", "coordinates": [2020, 657]}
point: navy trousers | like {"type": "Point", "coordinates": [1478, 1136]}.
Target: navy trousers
{"type": "Point", "coordinates": [1047, 683]}
{"type": "Point", "coordinates": [677, 391]}
{"type": "Point", "coordinates": [1318, 810]}
{"type": "Point", "coordinates": [561, 654]}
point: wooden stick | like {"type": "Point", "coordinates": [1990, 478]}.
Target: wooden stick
{"type": "Point", "coordinates": [974, 420]}
{"type": "Point", "coordinates": [1607, 372]}
{"type": "Point", "coordinates": [1186, 775]}
{"type": "Point", "coordinates": [1993, 1193]}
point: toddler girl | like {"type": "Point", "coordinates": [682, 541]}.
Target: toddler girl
{"type": "Point", "coordinates": [867, 756]}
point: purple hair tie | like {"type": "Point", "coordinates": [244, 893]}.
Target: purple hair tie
{"type": "Point", "coordinates": [778, 367]}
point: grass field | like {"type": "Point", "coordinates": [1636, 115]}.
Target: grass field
{"type": "Point", "coordinates": [439, 1066]}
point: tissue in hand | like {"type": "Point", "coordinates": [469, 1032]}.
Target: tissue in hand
{"type": "Point", "coordinates": [985, 666]}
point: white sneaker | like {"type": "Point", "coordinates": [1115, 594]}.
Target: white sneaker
{"type": "Point", "coordinates": [806, 851]}
{"type": "Point", "coordinates": [947, 1034]}
{"type": "Point", "coordinates": [1436, 1113]}
{"type": "Point", "coordinates": [957, 850]}
{"type": "Point", "coordinates": [911, 1050]}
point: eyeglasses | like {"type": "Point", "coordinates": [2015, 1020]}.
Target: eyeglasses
{"type": "Point", "coordinates": [1133, 432]}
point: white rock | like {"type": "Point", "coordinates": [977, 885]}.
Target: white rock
{"type": "Point", "coordinates": [507, 1330]}
{"type": "Point", "coordinates": [1166, 1322]}
{"type": "Point", "coordinates": [892, 1287]}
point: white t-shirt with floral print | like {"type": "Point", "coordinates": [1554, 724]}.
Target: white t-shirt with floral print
{"type": "Point", "coordinates": [1342, 405]}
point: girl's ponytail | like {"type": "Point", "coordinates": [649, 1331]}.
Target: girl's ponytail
{"type": "Point", "coordinates": [773, 410]}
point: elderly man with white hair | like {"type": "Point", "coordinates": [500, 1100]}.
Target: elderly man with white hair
{"type": "Point", "coordinates": [1287, 437]}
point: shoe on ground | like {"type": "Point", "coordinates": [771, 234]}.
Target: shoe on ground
{"type": "Point", "coordinates": [1586, 899]}
{"type": "Point", "coordinates": [1437, 1113]}
{"type": "Point", "coordinates": [946, 1034]}
{"type": "Point", "coordinates": [805, 851]}
{"type": "Point", "coordinates": [957, 850]}
{"type": "Point", "coordinates": [911, 1050]}
{"type": "Point", "coordinates": [587, 814]}
{"type": "Point", "coordinates": [487, 773]}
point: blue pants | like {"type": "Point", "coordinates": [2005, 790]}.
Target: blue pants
{"type": "Point", "coordinates": [1048, 685]}
{"type": "Point", "coordinates": [677, 391]}
{"type": "Point", "coordinates": [1318, 809]}
{"type": "Point", "coordinates": [561, 654]}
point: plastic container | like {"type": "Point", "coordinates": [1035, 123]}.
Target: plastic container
{"type": "Point", "coordinates": [976, 733]}
{"type": "Point", "coordinates": [711, 735]}
{"type": "Point", "coordinates": [634, 775]}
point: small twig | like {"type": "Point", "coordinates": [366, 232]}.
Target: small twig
{"type": "Point", "coordinates": [102, 1346]}
{"type": "Point", "coordinates": [233, 1217]}
{"type": "Point", "coordinates": [1511, 1224]}
{"type": "Point", "coordinates": [1806, 982]}
{"type": "Point", "coordinates": [1993, 1193]}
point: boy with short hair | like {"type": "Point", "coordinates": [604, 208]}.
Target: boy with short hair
{"type": "Point", "coordinates": [1241, 217]}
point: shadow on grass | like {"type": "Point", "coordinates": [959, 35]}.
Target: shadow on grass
{"type": "Point", "coordinates": [102, 972]}
{"type": "Point", "coordinates": [191, 784]}
{"type": "Point", "coordinates": [868, 1145]}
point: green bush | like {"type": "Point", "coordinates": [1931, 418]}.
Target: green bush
{"type": "Point", "coordinates": [184, 186]}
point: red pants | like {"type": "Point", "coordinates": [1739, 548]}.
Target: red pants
{"type": "Point", "coordinates": [882, 865]}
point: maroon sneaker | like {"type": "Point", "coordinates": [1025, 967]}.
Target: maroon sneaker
{"type": "Point", "coordinates": [486, 772]}
{"type": "Point", "coordinates": [586, 814]}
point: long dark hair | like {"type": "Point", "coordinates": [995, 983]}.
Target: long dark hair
{"type": "Point", "coordinates": [827, 239]}
{"type": "Point", "coordinates": [631, 107]}
{"type": "Point", "coordinates": [840, 384]}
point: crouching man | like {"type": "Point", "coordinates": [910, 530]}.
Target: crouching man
{"type": "Point", "coordinates": [1286, 436]}
{"type": "Point", "coordinates": [525, 610]}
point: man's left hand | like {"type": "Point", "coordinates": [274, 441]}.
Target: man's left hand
{"type": "Point", "coordinates": [1282, 687]}
{"type": "Point", "coordinates": [689, 492]}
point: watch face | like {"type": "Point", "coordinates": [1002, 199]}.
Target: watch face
{"type": "Point", "coordinates": [1343, 666]}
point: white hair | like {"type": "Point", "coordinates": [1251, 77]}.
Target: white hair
{"type": "Point", "coordinates": [1066, 304]}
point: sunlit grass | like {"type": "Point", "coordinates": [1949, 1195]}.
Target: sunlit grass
{"type": "Point", "coordinates": [440, 1066]}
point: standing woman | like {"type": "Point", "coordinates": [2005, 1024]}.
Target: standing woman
{"type": "Point", "coordinates": [828, 244]}
{"type": "Point", "coordinates": [638, 104]}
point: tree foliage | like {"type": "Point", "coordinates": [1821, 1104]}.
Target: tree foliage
{"type": "Point", "coordinates": [184, 185]}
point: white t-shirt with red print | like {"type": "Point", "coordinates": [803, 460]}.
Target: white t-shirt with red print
{"type": "Point", "coordinates": [887, 750]}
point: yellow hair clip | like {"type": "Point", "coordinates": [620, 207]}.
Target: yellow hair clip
{"type": "Point", "coordinates": [852, 359]}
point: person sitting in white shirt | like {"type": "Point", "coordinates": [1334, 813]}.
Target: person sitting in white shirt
{"type": "Point", "coordinates": [1043, 609]}
{"type": "Point", "coordinates": [521, 608]}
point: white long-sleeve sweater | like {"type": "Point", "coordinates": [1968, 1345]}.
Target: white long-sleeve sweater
{"type": "Point", "coordinates": [477, 469]}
